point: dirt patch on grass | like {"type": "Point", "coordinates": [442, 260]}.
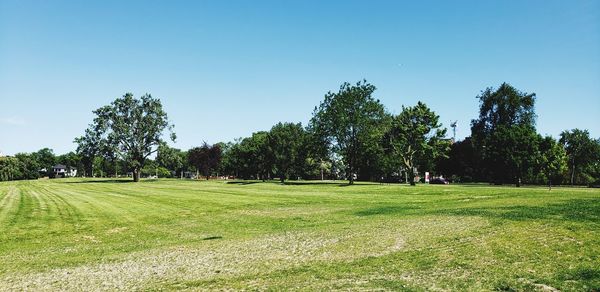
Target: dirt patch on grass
{"type": "Point", "coordinates": [116, 230]}
{"type": "Point", "coordinates": [286, 212]}
{"type": "Point", "coordinates": [91, 239]}
{"type": "Point", "coordinates": [218, 259]}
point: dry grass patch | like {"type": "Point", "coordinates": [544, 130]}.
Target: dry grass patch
{"type": "Point", "coordinates": [218, 259]}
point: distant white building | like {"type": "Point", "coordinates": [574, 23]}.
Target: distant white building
{"type": "Point", "coordinates": [64, 171]}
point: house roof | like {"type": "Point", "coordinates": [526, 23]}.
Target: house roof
{"type": "Point", "coordinates": [59, 166]}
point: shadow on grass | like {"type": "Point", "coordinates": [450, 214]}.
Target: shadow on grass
{"type": "Point", "coordinates": [575, 210]}
{"type": "Point", "coordinates": [589, 275]}
{"type": "Point", "coordinates": [212, 237]}
{"type": "Point", "coordinates": [243, 182]}
{"type": "Point", "coordinates": [103, 181]}
{"type": "Point", "coordinates": [291, 183]}
{"type": "Point", "coordinates": [310, 183]}
{"type": "Point", "coordinates": [584, 273]}
{"type": "Point", "coordinates": [386, 210]}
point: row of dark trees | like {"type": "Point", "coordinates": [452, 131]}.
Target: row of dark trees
{"type": "Point", "coordinates": [350, 136]}
{"type": "Point", "coordinates": [504, 146]}
{"type": "Point", "coordinates": [572, 159]}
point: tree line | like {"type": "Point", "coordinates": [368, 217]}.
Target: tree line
{"type": "Point", "coordinates": [351, 136]}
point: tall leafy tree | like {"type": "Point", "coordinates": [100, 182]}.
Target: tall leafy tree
{"type": "Point", "coordinates": [319, 160]}
{"type": "Point", "coordinates": [30, 165]}
{"type": "Point", "coordinates": [134, 128]}
{"type": "Point", "coordinates": [205, 158]}
{"type": "Point", "coordinates": [552, 160]}
{"type": "Point", "coordinates": [255, 156]}
{"type": "Point", "coordinates": [111, 162]}
{"type": "Point", "coordinates": [170, 158]}
{"type": "Point", "coordinates": [88, 147]}
{"type": "Point", "coordinates": [287, 145]}
{"type": "Point", "coordinates": [351, 122]}
{"type": "Point", "coordinates": [45, 158]}
{"type": "Point", "coordinates": [196, 156]}
{"type": "Point", "coordinates": [229, 158]}
{"type": "Point", "coordinates": [583, 153]}
{"type": "Point", "coordinates": [460, 162]}
{"type": "Point", "coordinates": [416, 138]}
{"type": "Point", "coordinates": [506, 118]}
{"type": "Point", "coordinates": [215, 155]}
{"type": "Point", "coordinates": [10, 168]}
{"type": "Point", "coordinates": [511, 153]}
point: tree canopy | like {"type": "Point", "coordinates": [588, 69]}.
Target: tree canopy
{"type": "Point", "coordinates": [288, 148]}
{"type": "Point", "coordinates": [351, 122]}
{"type": "Point", "coordinates": [205, 158]}
{"type": "Point", "coordinates": [170, 158]}
{"type": "Point", "coordinates": [133, 128]}
{"type": "Point", "coordinates": [350, 136]}
{"type": "Point", "coordinates": [552, 160]}
{"type": "Point", "coordinates": [504, 135]}
{"type": "Point", "coordinates": [415, 136]}
{"type": "Point", "coordinates": [583, 155]}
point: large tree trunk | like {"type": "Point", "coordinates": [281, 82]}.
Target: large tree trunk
{"type": "Point", "coordinates": [408, 163]}
{"type": "Point", "coordinates": [136, 175]}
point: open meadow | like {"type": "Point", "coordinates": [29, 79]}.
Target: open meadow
{"type": "Point", "coordinates": [78, 234]}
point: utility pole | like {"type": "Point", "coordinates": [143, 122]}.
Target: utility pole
{"type": "Point", "coordinates": [453, 126]}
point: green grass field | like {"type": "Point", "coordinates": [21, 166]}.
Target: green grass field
{"type": "Point", "coordinates": [75, 234]}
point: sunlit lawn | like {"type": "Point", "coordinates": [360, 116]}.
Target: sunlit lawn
{"type": "Point", "coordinates": [78, 234]}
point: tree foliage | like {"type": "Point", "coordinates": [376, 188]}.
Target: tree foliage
{"type": "Point", "coordinates": [11, 168]}
{"type": "Point", "coordinates": [460, 165]}
{"type": "Point", "coordinates": [552, 160]}
{"type": "Point", "coordinates": [170, 158]}
{"type": "Point", "coordinates": [351, 122]}
{"type": "Point", "coordinates": [583, 155]}
{"type": "Point", "coordinates": [287, 143]}
{"type": "Point", "coordinates": [254, 157]}
{"type": "Point", "coordinates": [205, 158]}
{"type": "Point", "coordinates": [45, 158]}
{"type": "Point", "coordinates": [133, 128]}
{"type": "Point", "coordinates": [503, 135]}
{"type": "Point", "coordinates": [88, 147]}
{"type": "Point", "coordinates": [416, 138]}
{"type": "Point", "coordinates": [349, 136]}
{"type": "Point", "coordinates": [510, 153]}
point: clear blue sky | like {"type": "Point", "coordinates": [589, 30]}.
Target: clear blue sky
{"type": "Point", "coordinates": [225, 69]}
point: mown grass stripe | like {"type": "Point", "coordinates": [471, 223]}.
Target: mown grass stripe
{"type": "Point", "coordinates": [150, 235]}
